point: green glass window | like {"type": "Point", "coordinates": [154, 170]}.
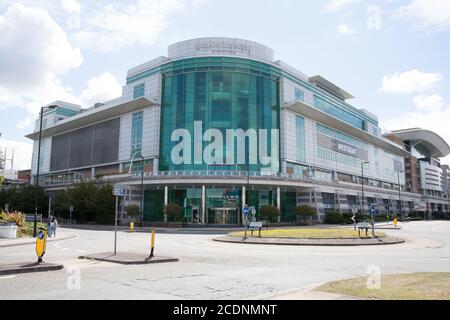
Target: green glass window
{"type": "Point", "coordinates": [136, 133]}
{"type": "Point", "coordinates": [300, 137]}
{"type": "Point", "coordinates": [221, 100]}
{"type": "Point", "coordinates": [139, 91]}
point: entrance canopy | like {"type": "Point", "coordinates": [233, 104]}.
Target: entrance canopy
{"type": "Point", "coordinates": [425, 141]}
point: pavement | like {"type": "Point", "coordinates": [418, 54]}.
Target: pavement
{"type": "Point", "coordinates": [62, 235]}
{"type": "Point", "coordinates": [27, 267]}
{"type": "Point", "coordinates": [214, 270]}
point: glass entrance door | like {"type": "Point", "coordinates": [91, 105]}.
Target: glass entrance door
{"type": "Point", "coordinates": [223, 216]}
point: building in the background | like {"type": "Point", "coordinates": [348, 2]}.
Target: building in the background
{"type": "Point", "coordinates": [424, 172]}
{"type": "Point", "coordinates": [181, 115]}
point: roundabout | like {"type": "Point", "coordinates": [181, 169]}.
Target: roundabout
{"type": "Point", "coordinates": [310, 237]}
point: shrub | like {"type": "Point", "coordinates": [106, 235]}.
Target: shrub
{"type": "Point", "coordinates": [133, 210]}
{"type": "Point", "coordinates": [15, 217]}
{"type": "Point", "coordinates": [305, 211]}
{"type": "Point", "coordinates": [174, 212]}
{"type": "Point", "coordinates": [334, 217]}
{"type": "Point", "coordinates": [269, 213]}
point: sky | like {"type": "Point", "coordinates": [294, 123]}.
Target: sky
{"type": "Point", "coordinates": [392, 55]}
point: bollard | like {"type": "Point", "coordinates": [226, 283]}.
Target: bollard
{"type": "Point", "coordinates": [41, 243]}
{"type": "Point", "coordinates": [152, 244]}
{"type": "Point", "coordinates": [395, 221]}
{"type": "Point", "coordinates": [131, 226]}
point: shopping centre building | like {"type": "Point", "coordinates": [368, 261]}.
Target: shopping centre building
{"type": "Point", "coordinates": [219, 123]}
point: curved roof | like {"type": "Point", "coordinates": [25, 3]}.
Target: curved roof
{"type": "Point", "coordinates": [433, 142]}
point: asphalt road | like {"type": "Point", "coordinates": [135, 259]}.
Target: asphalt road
{"type": "Point", "coordinates": [215, 270]}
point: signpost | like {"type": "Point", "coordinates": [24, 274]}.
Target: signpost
{"type": "Point", "coordinates": [118, 191]}
{"type": "Point", "coordinates": [354, 211]}
{"type": "Point", "coordinates": [70, 214]}
{"type": "Point", "coordinates": [41, 243]}
{"type": "Point", "coordinates": [372, 216]}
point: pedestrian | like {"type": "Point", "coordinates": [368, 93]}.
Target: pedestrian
{"type": "Point", "coordinates": [49, 226]}
{"type": "Point", "coordinates": [53, 226]}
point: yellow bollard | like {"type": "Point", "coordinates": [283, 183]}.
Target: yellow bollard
{"type": "Point", "coordinates": [131, 226]}
{"type": "Point", "coordinates": [153, 243]}
{"type": "Point", "coordinates": [395, 221]}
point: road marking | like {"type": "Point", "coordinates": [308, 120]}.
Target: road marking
{"type": "Point", "coordinates": [81, 251]}
{"type": "Point", "coordinates": [7, 277]}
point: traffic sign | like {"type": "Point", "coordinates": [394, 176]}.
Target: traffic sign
{"type": "Point", "coordinates": [41, 243]}
{"type": "Point", "coordinates": [119, 191]}
{"type": "Point", "coordinates": [246, 211]}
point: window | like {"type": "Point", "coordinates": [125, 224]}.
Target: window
{"type": "Point", "coordinates": [300, 138]}
{"type": "Point", "coordinates": [136, 132]}
{"type": "Point", "coordinates": [299, 95]}
{"type": "Point", "coordinates": [139, 91]}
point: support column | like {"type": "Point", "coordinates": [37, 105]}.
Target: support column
{"type": "Point", "coordinates": [279, 202]}
{"type": "Point", "coordinates": [166, 201]}
{"type": "Point", "coordinates": [244, 202]}
{"type": "Point", "coordinates": [203, 205]}
{"type": "Point", "coordinates": [92, 172]}
{"type": "Point", "coordinates": [155, 167]}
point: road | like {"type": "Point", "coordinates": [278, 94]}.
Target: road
{"type": "Point", "coordinates": [215, 270]}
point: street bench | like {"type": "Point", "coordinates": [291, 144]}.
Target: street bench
{"type": "Point", "coordinates": [363, 226]}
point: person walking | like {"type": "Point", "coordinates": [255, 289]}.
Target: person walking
{"type": "Point", "coordinates": [53, 226]}
{"type": "Point", "coordinates": [49, 226]}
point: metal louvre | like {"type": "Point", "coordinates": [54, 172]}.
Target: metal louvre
{"type": "Point", "coordinates": [87, 146]}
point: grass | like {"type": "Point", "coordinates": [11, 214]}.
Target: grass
{"type": "Point", "coordinates": [309, 233]}
{"type": "Point", "coordinates": [410, 286]}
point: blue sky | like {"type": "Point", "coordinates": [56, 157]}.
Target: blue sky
{"type": "Point", "coordinates": [392, 55]}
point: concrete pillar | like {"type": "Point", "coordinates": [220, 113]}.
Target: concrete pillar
{"type": "Point", "coordinates": [279, 202]}
{"type": "Point", "coordinates": [155, 166]}
{"type": "Point", "coordinates": [166, 201]}
{"type": "Point", "coordinates": [92, 172]}
{"type": "Point", "coordinates": [203, 204]}
{"type": "Point", "coordinates": [244, 202]}
{"type": "Point", "coordinates": [120, 167]}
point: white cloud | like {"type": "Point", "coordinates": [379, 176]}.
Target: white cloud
{"type": "Point", "coordinates": [435, 121]}
{"type": "Point", "coordinates": [22, 153]}
{"type": "Point", "coordinates": [426, 14]}
{"type": "Point", "coordinates": [71, 6]}
{"type": "Point", "coordinates": [116, 26]}
{"type": "Point", "coordinates": [34, 52]}
{"type": "Point", "coordinates": [99, 89]}
{"type": "Point", "coordinates": [345, 29]}
{"type": "Point", "coordinates": [25, 123]}
{"type": "Point", "coordinates": [410, 82]}
{"type": "Point", "coordinates": [428, 103]}
{"type": "Point", "coordinates": [338, 5]}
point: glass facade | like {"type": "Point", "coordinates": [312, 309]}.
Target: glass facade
{"type": "Point", "coordinates": [331, 109]}
{"type": "Point", "coordinates": [300, 138]}
{"type": "Point", "coordinates": [136, 133]}
{"type": "Point", "coordinates": [242, 98]}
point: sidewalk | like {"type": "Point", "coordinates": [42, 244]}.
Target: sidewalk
{"type": "Point", "coordinates": [61, 235]}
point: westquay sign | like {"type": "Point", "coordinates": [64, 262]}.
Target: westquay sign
{"type": "Point", "coordinates": [213, 148]}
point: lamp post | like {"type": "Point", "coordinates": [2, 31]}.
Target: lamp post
{"type": "Point", "coordinates": [399, 194]}
{"type": "Point", "coordinates": [142, 181]}
{"type": "Point", "coordinates": [362, 185]}
{"type": "Point", "coordinates": [36, 184]}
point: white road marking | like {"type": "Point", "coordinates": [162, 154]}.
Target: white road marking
{"type": "Point", "coordinates": [81, 251]}
{"type": "Point", "coordinates": [7, 277]}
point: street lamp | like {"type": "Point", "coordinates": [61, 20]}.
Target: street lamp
{"type": "Point", "coordinates": [142, 181]}
{"type": "Point", "coordinates": [362, 185]}
{"type": "Point", "coordinates": [37, 170]}
{"type": "Point", "coordinates": [399, 194]}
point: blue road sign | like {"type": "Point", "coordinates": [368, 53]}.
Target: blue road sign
{"type": "Point", "coordinates": [246, 211]}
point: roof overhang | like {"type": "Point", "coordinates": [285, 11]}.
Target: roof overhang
{"type": "Point", "coordinates": [330, 87]}
{"type": "Point", "coordinates": [433, 142]}
{"type": "Point", "coordinates": [92, 116]}
{"type": "Point", "coordinates": [319, 116]}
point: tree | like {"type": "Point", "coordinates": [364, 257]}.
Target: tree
{"type": "Point", "coordinates": [24, 198]}
{"type": "Point", "coordinates": [269, 213]}
{"type": "Point", "coordinates": [174, 212]}
{"type": "Point", "coordinates": [305, 213]}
